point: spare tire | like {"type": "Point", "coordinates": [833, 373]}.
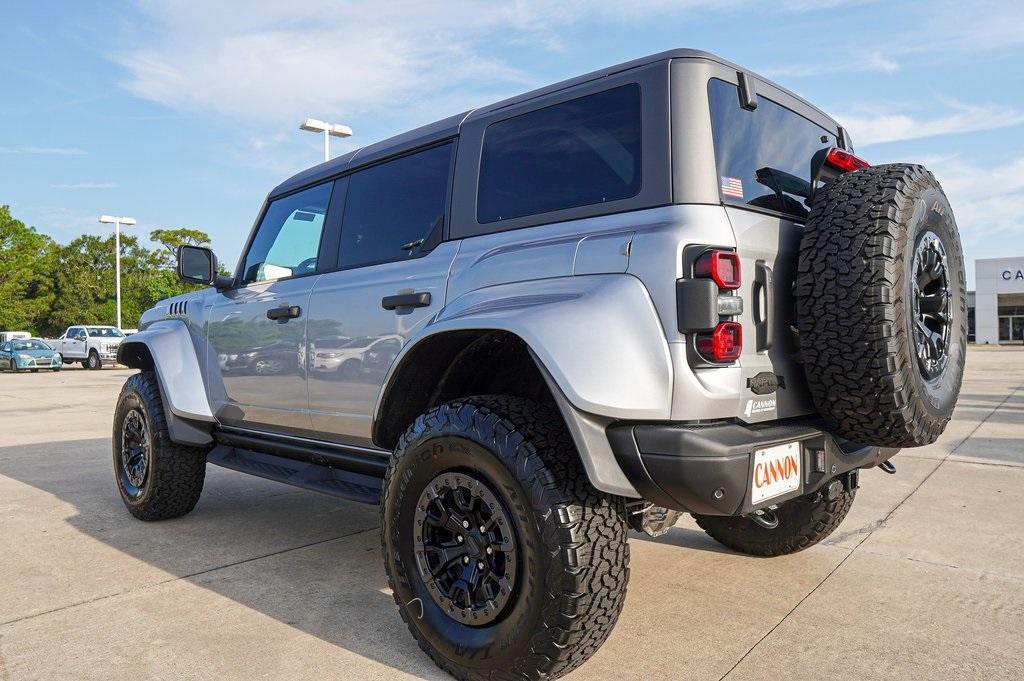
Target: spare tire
{"type": "Point", "coordinates": [882, 307]}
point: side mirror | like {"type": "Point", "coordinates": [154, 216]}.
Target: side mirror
{"type": "Point", "coordinates": [198, 265]}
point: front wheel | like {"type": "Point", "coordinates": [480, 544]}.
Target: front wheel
{"type": "Point", "coordinates": [93, 361]}
{"type": "Point", "coordinates": [501, 556]}
{"type": "Point", "coordinates": [803, 522]}
{"type": "Point", "coordinates": [157, 478]}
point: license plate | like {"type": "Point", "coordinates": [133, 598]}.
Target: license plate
{"type": "Point", "coordinates": [776, 471]}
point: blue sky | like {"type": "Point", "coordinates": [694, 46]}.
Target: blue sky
{"type": "Point", "coordinates": [185, 113]}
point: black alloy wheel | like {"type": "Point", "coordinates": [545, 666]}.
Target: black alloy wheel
{"type": "Point", "coordinates": [134, 458]}
{"type": "Point", "coordinates": [465, 548]}
{"type": "Point", "coordinates": [931, 305]}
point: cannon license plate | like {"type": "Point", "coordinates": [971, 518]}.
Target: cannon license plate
{"type": "Point", "coordinates": [776, 472]}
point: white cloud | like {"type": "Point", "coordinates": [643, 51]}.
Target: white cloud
{"type": "Point", "coordinates": [878, 62]}
{"type": "Point", "coordinates": [269, 60]}
{"type": "Point", "coordinates": [885, 124]}
{"type": "Point", "coordinates": [44, 151]}
{"type": "Point", "coordinates": [86, 185]}
{"type": "Point", "coordinates": [276, 61]}
{"type": "Point", "coordinates": [986, 199]}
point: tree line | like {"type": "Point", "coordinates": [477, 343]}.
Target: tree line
{"type": "Point", "coordinates": [46, 286]}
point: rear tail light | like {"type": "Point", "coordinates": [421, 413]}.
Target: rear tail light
{"type": "Point", "coordinates": [721, 266]}
{"type": "Point", "coordinates": [845, 161]}
{"type": "Point", "coordinates": [724, 344]}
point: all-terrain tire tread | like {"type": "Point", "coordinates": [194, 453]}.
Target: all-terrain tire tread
{"type": "Point", "coordinates": [178, 471]}
{"type": "Point", "coordinates": [802, 524]}
{"type": "Point", "coordinates": [850, 307]}
{"type": "Point", "coordinates": [584, 526]}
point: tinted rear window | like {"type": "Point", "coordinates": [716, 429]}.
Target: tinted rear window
{"type": "Point", "coordinates": [764, 155]}
{"type": "Point", "coordinates": [581, 152]}
{"type": "Point", "coordinates": [393, 208]}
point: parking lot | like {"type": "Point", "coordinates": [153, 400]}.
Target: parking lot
{"type": "Point", "coordinates": [924, 579]}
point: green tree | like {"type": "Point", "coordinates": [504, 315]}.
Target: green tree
{"type": "Point", "coordinates": [83, 281]}
{"type": "Point", "coordinates": [170, 239]}
{"type": "Point", "coordinates": [26, 292]}
{"type": "Point", "coordinates": [46, 287]}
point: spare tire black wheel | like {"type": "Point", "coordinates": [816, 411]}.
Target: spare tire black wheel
{"type": "Point", "coordinates": [882, 306]}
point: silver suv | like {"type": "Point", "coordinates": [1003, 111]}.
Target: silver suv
{"type": "Point", "coordinates": [667, 286]}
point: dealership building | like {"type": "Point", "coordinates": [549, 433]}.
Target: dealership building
{"type": "Point", "coordinates": [997, 303]}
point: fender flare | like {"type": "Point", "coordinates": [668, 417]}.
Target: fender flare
{"type": "Point", "coordinates": [597, 339]}
{"type": "Point", "coordinates": [168, 346]}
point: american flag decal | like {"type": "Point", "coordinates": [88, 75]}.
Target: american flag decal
{"type": "Point", "coordinates": [732, 186]}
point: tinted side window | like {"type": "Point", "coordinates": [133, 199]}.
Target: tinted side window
{"type": "Point", "coordinates": [577, 153]}
{"type": "Point", "coordinates": [394, 208]}
{"type": "Point", "coordinates": [764, 155]}
{"type": "Point", "coordinates": [288, 239]}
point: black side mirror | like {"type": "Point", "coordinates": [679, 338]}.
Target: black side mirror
{"type": "Point", "coordinates": [198, 265]}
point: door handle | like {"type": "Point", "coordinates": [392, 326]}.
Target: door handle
{"type": "Point", "coordinates": [762, 323]}
{"type": "Point", "coordinates": [419, 299]}
{"type": "Point", "coordinates": [284, 313]}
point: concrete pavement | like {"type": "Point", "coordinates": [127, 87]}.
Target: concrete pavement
{"type": "Point", "coordinates": [924, 579]}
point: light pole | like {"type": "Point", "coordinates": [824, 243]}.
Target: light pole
{"type": "Point", "coordinates": [117, 222]}
{"type": "Point", "coordinates": [329, 130]}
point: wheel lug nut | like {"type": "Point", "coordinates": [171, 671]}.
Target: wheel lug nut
{"type": "Point", "coordinates": [465, 523]}
{"type": "Point", "coordinates": [465, 560]}
{"type": "Point", "coordinates": [459, 539]}
{"type": "Point", "coordinates": [489, 550]}
{"type": "Point", "coordinates": [482, 529]}
{"type": "Point", "coordinates": [480, 565]}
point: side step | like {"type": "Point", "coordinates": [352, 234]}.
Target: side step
{"type": "Point", "coordinates": [305, 474]}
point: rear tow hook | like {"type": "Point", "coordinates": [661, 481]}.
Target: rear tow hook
{"type": "Point", "coordinates": [888, 467]}
{"type": "Point", "coordinates": [766, 519]}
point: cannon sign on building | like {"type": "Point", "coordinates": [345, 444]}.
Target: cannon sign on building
{"type": "Point", "coordinates": [999, 300]}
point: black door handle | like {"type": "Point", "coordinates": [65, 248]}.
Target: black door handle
{"type": "Point", "coordinates": [284, 313]}
{"type": "Point", "coordinates": [420, 299]}
{"type": "Point", "coordinates": [762, 321]}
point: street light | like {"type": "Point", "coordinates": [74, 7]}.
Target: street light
{"type": "Point", "coordinates": [117, 222]}
{"type": "Point", "coordinates": [329, 130]}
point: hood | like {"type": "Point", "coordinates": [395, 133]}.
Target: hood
{"type": "Point", "coordinates": [35, 352]}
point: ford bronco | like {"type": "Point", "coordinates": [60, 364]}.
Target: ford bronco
{"type": "Point", "coordinates": [667, 286]}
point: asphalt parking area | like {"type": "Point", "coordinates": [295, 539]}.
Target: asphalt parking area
{"type": "Point", "coordinates": [924, 579]}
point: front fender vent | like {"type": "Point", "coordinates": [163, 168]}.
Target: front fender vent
{"type": "Point", "coordinates": [178, 309]}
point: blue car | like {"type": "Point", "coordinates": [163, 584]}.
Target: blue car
{"type": "Point", "coordinates": [29, 354]}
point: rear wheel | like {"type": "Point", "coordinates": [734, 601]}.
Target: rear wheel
{"type": "Point", "coordinates": [157, 478]}
{"type": "Point", "coordinates": [503, 559]}
{"type": "Point", "coordinates": [802, 523]}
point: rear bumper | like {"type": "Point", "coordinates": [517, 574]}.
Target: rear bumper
{"type": "Point", "coordinates": [707, 469]}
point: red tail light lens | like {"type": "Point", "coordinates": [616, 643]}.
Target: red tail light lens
{"type": "Point", "coordinates": [845, 161]}
{"type": "Point", "coordinates": [724, 344]}
{"type": "Point", "coordinates": [721, 266]}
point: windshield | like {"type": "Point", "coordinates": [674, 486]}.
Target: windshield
{"type": "Point", "coordinates": [30, 345]}
{"type": "Point", "coordinates": [105, 332]}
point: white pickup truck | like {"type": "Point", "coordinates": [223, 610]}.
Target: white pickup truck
{"type": "Point", "coordinates": [93, 346]}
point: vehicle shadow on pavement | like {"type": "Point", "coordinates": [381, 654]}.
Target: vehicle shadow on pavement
{"type": "Point", "coordinates": [685, 538]}
{"type": "Point", "coordinates": [307, 560]}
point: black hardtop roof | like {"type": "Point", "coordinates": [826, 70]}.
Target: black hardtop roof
{"type": "Point", "coordinates": [449, 127]}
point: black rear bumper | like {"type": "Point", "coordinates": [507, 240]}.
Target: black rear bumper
{"type": "Point", "coordinates": [707, 469]}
